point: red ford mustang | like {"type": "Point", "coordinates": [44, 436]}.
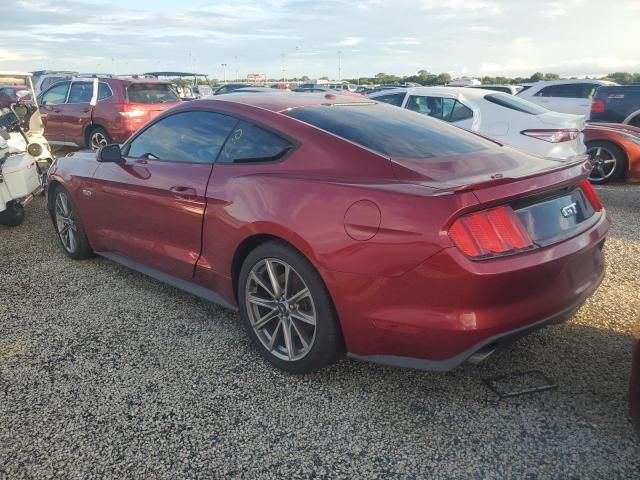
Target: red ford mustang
{"type": "Point", "coordinates": [340, 225]}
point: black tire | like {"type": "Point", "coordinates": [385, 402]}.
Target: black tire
{"type": "Point", "coordinates": [327, 344]}
{"type": "Point", "coordinates": [98, 137]}
{"type": "Point", "coordinates": [607, 151]}
{"type": "Point", "coordinates": [80, 248]}
{"type": "Point", "coordinates": [13, 215]}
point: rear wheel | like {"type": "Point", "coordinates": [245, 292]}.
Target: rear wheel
{"type": "Point", "coordinates": [69, 227]}
{"type": "Point", "coordinates": [13, 215]}
{"type": "Point", "coordinates": [98, 137]}
{"type": "Point", "coordinates": [609, 162]}
{"type": "Point", "coordinates": [287, 310]}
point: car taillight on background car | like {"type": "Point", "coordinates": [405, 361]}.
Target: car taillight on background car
{"type": "Point", "coordinates": [553, 135]}
{"type": "Point", "coordinates": [597, 106]}
{"type": "Point", "coordinates": [591, 194]}
{"type": "Point", "coordinates": [133, 115]}
{"type": "Point", "coordinates": [492, 232]}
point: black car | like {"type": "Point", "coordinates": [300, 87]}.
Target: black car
{"type": "Point", "coordinates": [230, 87]}
{"type": "Point", "coordinates": [617, 104]}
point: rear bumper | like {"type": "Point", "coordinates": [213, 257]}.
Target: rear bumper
{"type": "Point", "coordinates": [443, 311]}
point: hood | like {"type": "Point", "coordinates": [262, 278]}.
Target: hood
{"type": "Point", "coordinates": [473, 170]}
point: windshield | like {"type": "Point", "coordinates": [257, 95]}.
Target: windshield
{"type": "Point", "coordinates": [151, 93]}
{"type": "Point", "coordinates": [392, 131]}
{"type": "Point", "coordinates": [515, 103]}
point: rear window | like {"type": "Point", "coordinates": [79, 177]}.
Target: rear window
{"type": "Point", "coordinates": [515, 103]}
{"type": "Point", "coordinates": [151, 93]}
{"type": "Point", "coordinates": [392, 131]}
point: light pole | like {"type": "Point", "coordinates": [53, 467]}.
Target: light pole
{"type": "Point", "coordinates": [298, 64]}
{"type": "Point", "coordinates": [283, 70]}
{"type": "Point", "coordinates": [339, 65]}
{"type": "Point", "coordinates": [236, 64]}
{"type": "Point", "coordinates": [224, 67]}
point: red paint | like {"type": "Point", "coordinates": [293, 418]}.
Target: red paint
{"type": "Point", "coordinates": [406, 291]}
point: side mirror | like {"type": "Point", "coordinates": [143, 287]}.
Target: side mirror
{"type": "Point", "coordinates": [110, 153]}
{"type": "Point", "coordinates": [23, 93]}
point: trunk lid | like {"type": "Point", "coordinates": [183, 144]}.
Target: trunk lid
{"type": "Point", "coordinates": [482, 169]}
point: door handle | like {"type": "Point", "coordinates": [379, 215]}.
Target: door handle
{"type": "Point", "coordinates": [86, 110]}
{"type": "Point", "coordinates": [183, 192]}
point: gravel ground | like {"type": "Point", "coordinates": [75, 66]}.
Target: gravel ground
{"type": "Point", "coordinates": [105, 373]}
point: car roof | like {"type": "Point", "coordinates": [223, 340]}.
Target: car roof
{"type": "Point", "coordinates": [452, 92]}
{"type": "Point", "coordinates": [564, 82]}
{"type": "Point", "coordinates": [281, 101]}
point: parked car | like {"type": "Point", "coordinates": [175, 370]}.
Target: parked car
{"type": "Point", "coordinates": [43, 79]}
{"type": "Point", "coordinates": [315, 226]}
{"type": "Point", "coordinates": [614, 150]}
{"type": "Point", "coordinates": [567, 96]}
{"type": "Point", "coordinates": [230, 87]}
{"type": "Point", "coordinates": [617, 104]}
{"type": "Point", "coordinates": [510, 89]}
{"type": "Point", "coordinates": [9, 94]}
{"type": "Point", "coordinates": [501, 116]}
{"type": "Point", "coordinates": [254, 90]}
{"type": "Point", "coordinates": [87, 112]}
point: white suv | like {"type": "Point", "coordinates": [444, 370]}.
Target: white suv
{"type": "Point", "coordinates": [566, 96]}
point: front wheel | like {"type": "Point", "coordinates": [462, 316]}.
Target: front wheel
{"type": "Point", "coordinates": [13, 215]}
{"type": "Point", "coordinates": [287, 310]}
{"type": "Point", "coordinates": [609, 162]}
{"type": "Point", "coordinates": [69, 227]}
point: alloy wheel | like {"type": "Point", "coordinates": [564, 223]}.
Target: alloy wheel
{"type": "Point", "coordinates": [98, 140]}
{"type": "Point", "coordinates": [604, 163]}
{"type": "Point", "coordinates": [281, 309]}
{"type": "Point", "coordinates": [67, 229]}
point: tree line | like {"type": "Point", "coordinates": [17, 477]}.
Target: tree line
{"type": "Point", "coordinates": [424, 77]}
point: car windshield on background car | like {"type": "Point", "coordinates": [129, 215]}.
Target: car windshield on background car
{"type": "Point", "coordinates": [515, 103]}
{"type": "Point", "coordinates": [151, 93]}
{"type": "Point", "coordinates": [392, 131]}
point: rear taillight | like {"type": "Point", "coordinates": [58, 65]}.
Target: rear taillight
{"type": "Point", "coordinates": [553, 135]}
{"type": "Point", "coordinates": [597, 106]}
{"type": "Point", "coordinates": [591, 194]}
{"type": "Point", "coordinates": [492, 232]}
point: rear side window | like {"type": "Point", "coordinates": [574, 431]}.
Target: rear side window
{"type": "Point", "coordinates": [515, 103]}
{"type": "Point", "coordinates": [81, 92]}
{"type": "Point", "coordinates": [250, 143]}
{"type": "Point", "coordinates": [442, 108]}
{"type": "Point", "coordinates": [394, 132]}
{"type": "Point", "coordinates": [392, 99]}
{"type": "Point", "coordinates": [47, 82]}
{"type": "Point", "coordinates": [151, 93]}
{"type": "Point", "coordinates": [104, 91]}
{"type": "Point", "coordinates": [568, 90]}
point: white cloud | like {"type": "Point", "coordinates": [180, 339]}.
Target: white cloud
{"type": "Point", "coordinates": [349, 42]}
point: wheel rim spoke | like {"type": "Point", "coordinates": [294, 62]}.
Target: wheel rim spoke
{"type": "Point", "coordinates": [262, 302]}
{"type": "Point", "coordinates": [285, 326]}
{"type": "Point", "coordinates": [273, 277]}
{"type": "Point", "coordinates": [67, 229]}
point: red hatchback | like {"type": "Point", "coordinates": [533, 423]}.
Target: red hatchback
{"type": "Point", "coordinates": [336, 224]}
{"type": "Point", "coordinates": [93, 112]}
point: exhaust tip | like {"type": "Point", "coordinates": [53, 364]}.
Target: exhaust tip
{"type": "Point", "coordinates": [482, 354]}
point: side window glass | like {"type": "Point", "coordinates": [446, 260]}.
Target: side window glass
{"type": "Point", "coordinates": [460, 112]}
{"type": "Point", "coordinates": [588, 90]}
{"type": "Point", "coordinates": [188, 137]}
{"type": "Point", "coordinates": [56, 95]}
{"type": "Point", "coordinates": [104, 91]}
{"type": "Point", "coordinates": [393, 99]}
{"type": "Point", "coordinates": [436, 107]}
{"type": "Point", "coordinates": [249, 143]}
{"type": "Point", "coordinates": [81, 92]}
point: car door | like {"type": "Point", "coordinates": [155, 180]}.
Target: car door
{"type": "Point", "coordinates": [51, 103]}
{"type": "Point", "coordinates": [76, 112]}
{"type": "Point", "coordinates": [149, 208]}
{"type": "Point", "coordinates": [443, 108]}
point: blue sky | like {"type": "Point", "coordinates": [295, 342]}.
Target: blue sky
{"type": "Point", "coordinates": [461, 37]}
